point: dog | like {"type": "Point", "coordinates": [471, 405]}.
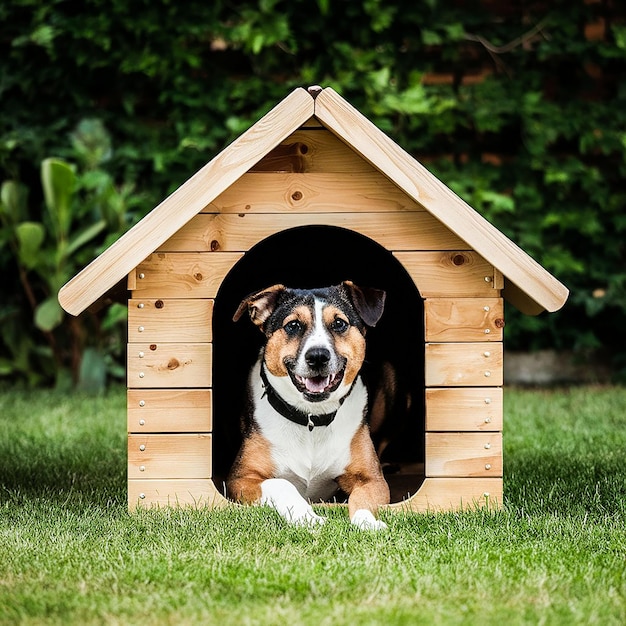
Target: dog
{"type": "Point", "coordinates": [305, 427]}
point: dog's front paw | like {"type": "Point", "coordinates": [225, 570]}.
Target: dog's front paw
{"type": "Point", "coordinates": [365, 520]}
{"type": "Point", "coordinates": [284, 497]}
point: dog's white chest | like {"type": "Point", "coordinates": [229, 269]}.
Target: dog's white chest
{"type": "Point", "coordinates": [312, 460]}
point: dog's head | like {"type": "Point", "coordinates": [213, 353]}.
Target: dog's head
{"type": "Point", "coordinates": [315, 337]}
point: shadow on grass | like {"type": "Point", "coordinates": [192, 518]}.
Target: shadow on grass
{"type": "Point", "coordinates": [63, 474]}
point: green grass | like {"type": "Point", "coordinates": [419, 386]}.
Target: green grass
{"type": "Point", "coordinates": [71, 554]}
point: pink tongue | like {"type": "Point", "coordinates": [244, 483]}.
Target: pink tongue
{"type": "Point", "coordinates": [317, 384]}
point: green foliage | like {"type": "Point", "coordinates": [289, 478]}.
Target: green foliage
{"type": "Point", "coordinates": [519, 108]}
{"type": "Point", "coordinates": [81, 205]}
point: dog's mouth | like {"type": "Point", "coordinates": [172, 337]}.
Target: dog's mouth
{"type": "Point", "coordinates": [314, 387]}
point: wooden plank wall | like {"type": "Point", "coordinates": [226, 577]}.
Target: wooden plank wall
{"type": "Point", "coordinates": [312, 178]}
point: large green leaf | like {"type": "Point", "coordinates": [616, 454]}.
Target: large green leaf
{"type": "Point", "coordinates": [13, 197]}
{"type": "Point", "coordinates": [30, 236]}
{"type": "Point", "coordinates": [59, 183]}
{"type": "Point", "coordinates": [49, 314]}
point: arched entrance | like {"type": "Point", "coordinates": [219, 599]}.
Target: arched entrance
{"type": "Point", "coordinates": [316, 256]}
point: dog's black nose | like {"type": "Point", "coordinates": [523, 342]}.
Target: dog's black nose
{"type": "Point", "coordinates": [317, 357]}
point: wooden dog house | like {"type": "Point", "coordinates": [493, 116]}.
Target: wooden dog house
{"type": "Point", "coordinates": [313, 162]}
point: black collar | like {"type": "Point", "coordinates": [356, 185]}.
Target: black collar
{"type": "Point", "coordinates": [291, 412]}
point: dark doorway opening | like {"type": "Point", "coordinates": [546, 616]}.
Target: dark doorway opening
{"type": "Point", "coordinates": [318, 256]}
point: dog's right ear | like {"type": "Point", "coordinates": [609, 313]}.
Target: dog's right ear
{"type": "Point", "coordinates": [260, 305]}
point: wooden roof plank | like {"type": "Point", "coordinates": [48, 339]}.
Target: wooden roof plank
{"type": "Point", "coordinates": [191, 197]}
{"type": "Point", "coordinates": [537, 288]}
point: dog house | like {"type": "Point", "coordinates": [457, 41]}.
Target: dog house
{"type": "Point", "coordinates": [312, 194]}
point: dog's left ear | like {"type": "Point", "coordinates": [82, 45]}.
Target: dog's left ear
{"type": "Point", "coordinates": [368, 302]}
{"type": "Point", "coordinates": [260, 305]}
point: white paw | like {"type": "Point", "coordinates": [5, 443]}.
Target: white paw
{"type": "Point", "coordinates": [282, 495]}
{"type": "Point", "coordinates": [365, 520]}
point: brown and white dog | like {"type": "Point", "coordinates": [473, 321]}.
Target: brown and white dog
{"type": "Point", "coordinates": [306, 434]}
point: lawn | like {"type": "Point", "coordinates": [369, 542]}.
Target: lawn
{"type": "Point", "coordinates": [70, 553]}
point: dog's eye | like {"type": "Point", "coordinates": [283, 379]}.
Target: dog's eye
{"type": "Point", "coordinates": [292, 328]}
{"type": "Point", "coordinates": [339, 325]}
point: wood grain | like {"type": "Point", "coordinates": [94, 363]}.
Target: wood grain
{"type": "Point", "coordinates": [167, 365]}
{"type": "Point", "coordinates": [183, 275]}
{"type": "Point", "coordinates": [169, 410]}
{"type": "Point", "coordinates": [169, 456]}
{"type": "Point", "coordinates": [463, 364]}
{"type": "Point", "coordinates": [463, 454]}
{"type": "Point", "coordinates": [270, 192]}
{"type": "Point", "coordinates": [312, 150]}
{"type": "Point", "coordinates": [183, 492]}
{"type": "Point", "coordinates": [230, 233]}
{"type": "Point", "coordinates": [464, 409]}
{"type": "Point", "coordinates": [174, 320]}
{"type": "Point", "coordinates": [464, 319]}
{"type": "Point", "coordinates": [437, 495]}
{"type": "Point", "coordinates": [458, 273]}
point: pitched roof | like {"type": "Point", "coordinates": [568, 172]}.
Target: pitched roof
{"type": "Point", "coordinates": [528, 285]}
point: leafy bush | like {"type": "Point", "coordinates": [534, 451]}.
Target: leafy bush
{"type": "Point", "coordinates": [518, 107]}
{"type": "Point", "coordinates": [82, 206]}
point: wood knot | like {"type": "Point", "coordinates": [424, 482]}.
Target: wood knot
{"type": "Point", "coordinates": [215, 245]}
{"type": "Point", "coordinates": [198, 276]}
{"type": "Point", "coordinates": [499, 323]}
{"type": "Point", "coordinates": [159, 304]}
{"type": "Point", "coordinates": [458, 259]}
{"type": "Point", "coordinates": [172, 364]}
{"type": "Point", "coordinates": [296, 195]}
{"type": "Point", "coordinates": [153, 346]}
